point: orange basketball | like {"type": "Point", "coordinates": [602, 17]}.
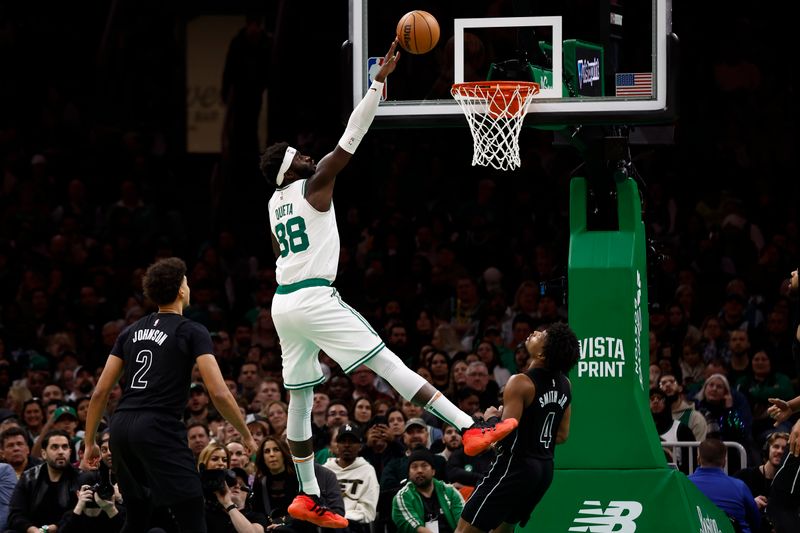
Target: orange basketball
{"type": "Point", "coordinates": [418, 32]}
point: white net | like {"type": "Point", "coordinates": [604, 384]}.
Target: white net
{"type": "Point", "coordinates": [495, 111]}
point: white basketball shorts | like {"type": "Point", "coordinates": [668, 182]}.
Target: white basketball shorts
{"type": "Point", "coordinates": [315, 318]}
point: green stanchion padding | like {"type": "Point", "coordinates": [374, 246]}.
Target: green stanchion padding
{"type": "Point", "coordinates": [643, 501]}
{"type": "Point", "coordinates": [608, 312]}
{"type": "Point", "coordinates": [612, 475]}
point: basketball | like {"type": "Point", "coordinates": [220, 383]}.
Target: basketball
{"type": "Point", "coordinates": [418, 32]}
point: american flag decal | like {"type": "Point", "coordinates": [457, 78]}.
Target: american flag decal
{"type": "Point", "coordinates": [634, 84]}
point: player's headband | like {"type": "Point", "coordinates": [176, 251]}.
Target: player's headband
{"type": "Point", "coordinates": [288, 157]}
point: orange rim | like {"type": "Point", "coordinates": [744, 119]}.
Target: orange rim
{"type": "Point", "coordinates": [468, 88]}
{"type": "Point", "coordinates": [504, 98]}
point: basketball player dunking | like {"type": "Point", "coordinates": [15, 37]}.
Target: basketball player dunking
{"type": "Point", "coordinates": [310, 315]}
{"type": "Point", "coordinates": [523, 469]}
{"type": "Point", "coordinates": [152, 462]}
{"type": "Point", "coordinates": [783, 505]}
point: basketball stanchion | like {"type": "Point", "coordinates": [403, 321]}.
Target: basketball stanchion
{"type": "Point", "coordinates": [495, 111]}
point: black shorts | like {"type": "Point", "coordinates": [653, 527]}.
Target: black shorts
{"type": "Point", "coordinates": [151, 458]}
{"type": "Point", "coordinates": [509, 493]}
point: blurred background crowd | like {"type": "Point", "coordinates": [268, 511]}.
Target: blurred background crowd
{"type": "Point", "coordinates": [446, 262]}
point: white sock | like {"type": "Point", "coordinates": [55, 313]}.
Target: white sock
{"type": "Point", "coordinates": [304, 466]}
{"type": "Point", "coordinates": [447, 411]}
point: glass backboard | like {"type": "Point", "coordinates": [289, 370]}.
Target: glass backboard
{"type": "Point", "coordinates": [597, 61]}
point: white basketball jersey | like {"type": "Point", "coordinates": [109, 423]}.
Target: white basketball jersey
{"type": "Point", "coordinates": [308, 239]}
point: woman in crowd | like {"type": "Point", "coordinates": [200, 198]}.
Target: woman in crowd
{"type": "Point", "coordinates": [16, 398]}
{"type": "Point", "coordinates": [439, 367]}
{"type": "Point", "coordinates": [446, 339]}
{"type": "Point", "coordinates": [276, 486]}
{"type": "Point", "coordinates": [277, 413]}
{"type": "Point", "coordinates": [226, 511]}
{"type": "Point", "coordinates": [361, 413]}
{"type": "Point", "coordinates": [396, 421]}
{"type": "Point", "coordinates": [725, 420]}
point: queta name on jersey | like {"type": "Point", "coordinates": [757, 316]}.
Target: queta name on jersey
{"type": "Point", "coordinates": [283, 210]}
{"type": "Point", "coordinates": [155, 335]}
{"type": "Point", "coordinates": [552, 397]}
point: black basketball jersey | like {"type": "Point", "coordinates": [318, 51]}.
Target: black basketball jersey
{"type": "Point", "coordinates": [159, 351]}
{"type": "Point", "coordinates": [538, 426]}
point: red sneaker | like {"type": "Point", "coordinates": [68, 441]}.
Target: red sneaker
{"type": "Point", "coordinates": [480, 436]}
{"type": "Point", "coordinates": [307, 507]}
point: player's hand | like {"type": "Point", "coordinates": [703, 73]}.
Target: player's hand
{"type": "Point", "coordinates": [251, 445]}
{"type": "Point", "coordinates": [389, 62]}
{"type": "Point", "coordinates": [492, 411]}
{"type": "Point", "coordinates": [91, 457]}
{"type": "Point", "coordinates": [779, 410]}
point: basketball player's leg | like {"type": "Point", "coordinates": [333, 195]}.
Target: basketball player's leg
{"type": "Point", "coordinates": [306, 506]}
{"type": "Point", "coordinates": [349, 340]}
{"type": "Point", "coordinates": [298, 436]}
{"type": "Point", "coordinates": [415, 388]}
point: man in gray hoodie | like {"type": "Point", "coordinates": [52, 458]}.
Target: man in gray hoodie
{"type": "Point", "coordinates": [357, 478]}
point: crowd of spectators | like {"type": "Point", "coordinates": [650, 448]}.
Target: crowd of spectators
{"type": "Point", "coordinates": [444, 261]}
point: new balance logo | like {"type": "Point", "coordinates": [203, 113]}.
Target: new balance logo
{"type": "Point", "coordinates": [618, 517]}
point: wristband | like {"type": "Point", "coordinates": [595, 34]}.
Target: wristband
{"type": "Point", "coordinates": [230, 508]}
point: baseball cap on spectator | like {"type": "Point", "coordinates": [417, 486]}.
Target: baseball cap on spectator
{"type": "Point", "coordinates": [5, 414]}
{"type": "Point", "coordinates": [421, 453]}
{"type": "Point", "coordinates": [415, 422]}
{"type": "Point", "coordinates": [38, 362]}
{"type": "Point", "coordinates": [197, 387]}
{"type": "Point", "coordinates": [348, 430]}
{"type": "Point", "coordinates": [242, 476]}
{"type": "Point", "coordinates": [64, 410]}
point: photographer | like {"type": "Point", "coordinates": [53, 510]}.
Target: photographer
{"type": "Point", "coordinates": [226, 494]}
{"type": "Point", "coordinates": [93, 513]}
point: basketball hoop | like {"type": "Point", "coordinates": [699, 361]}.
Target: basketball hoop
{"type": "Point", "coordinates": [495, 110]}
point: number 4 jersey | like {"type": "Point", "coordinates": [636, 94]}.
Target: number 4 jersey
{"type": "Point", "coordinates": [159, 351]}
{"type": "Point", "coordinates": [539, 423]}
{"type": "Point", "coordinates": [308, 239]}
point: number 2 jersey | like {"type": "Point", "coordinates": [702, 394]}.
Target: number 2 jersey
{"type": "Point", "coordinates": [308, 239]}
{"type": "Point", "coordinates": [159, 351]}
{"type": "Point", "coordinates": [538, 425]}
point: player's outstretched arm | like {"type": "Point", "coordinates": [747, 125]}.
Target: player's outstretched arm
{"type": "Point", "coordinates": [97, 405]}
{"type": "Point", "coordinates": [319, 189]}
{"type": "Point", "coordinates": [222, 398]}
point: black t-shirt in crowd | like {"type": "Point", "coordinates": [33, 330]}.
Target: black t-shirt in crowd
{"type": "Point", "coordinates": [49, 511]}
{"type": "Point", "coordinates": [433, 511]}
{"type": "Point", "coordinates": [159, 351]}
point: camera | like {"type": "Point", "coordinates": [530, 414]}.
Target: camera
{"type": "Point", "coordinates": [104, 488]}
{"type": "Point", "coordinates": [215, 480]}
